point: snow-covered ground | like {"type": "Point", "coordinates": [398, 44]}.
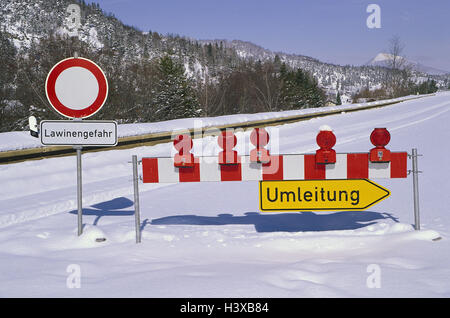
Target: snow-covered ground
{"type": "Point", "coordinates": [209, 240]}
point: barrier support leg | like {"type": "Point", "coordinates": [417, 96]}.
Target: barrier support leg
{"type": "Point", "coordinates": [136, 199]}
{"type": "Point", "coordinates": [415, 172]}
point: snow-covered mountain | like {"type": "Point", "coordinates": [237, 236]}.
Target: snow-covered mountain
{"type": "Point", "coordinates": [344, 78]}
{"type": "Point", "coordinates": [383, 59]}
{"type": "Point", "coordinates": [117, 46]}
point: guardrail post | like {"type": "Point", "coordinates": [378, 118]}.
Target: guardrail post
{"type": "Point", "coordinates": [136, 199]}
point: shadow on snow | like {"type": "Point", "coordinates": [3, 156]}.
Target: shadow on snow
{"type": "Point", "coordinates": [269, 222]}
{"type": "Point", "coordinates": [109, 208]}
{"type": "Point", "coordinates": [284, 222]}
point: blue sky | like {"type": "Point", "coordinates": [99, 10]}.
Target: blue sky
{"type": "Point", "coordinates": [332, 31]}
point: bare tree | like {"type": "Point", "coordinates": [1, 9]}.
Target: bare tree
{"type": "Point", "coordinates": [396, 61]}
{"type": "Point", "coordinates": [266, 87]}
{"type": "Point", "coordinates": [399, 74]}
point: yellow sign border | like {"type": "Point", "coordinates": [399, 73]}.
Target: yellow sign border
{"type": "Point", "coordinates": [388, 193]}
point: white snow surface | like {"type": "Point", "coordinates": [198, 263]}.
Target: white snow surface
{"type": "Point", "coordinates": [210, 240]}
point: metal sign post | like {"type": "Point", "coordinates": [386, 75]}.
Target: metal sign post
{"type": "Point", "coordinates": [79, 191]}
{"type": "Point", "coordinates": [79, 187]}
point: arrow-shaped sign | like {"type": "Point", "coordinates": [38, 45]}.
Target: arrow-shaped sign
{"type": "Point", "coordinates": [308, 195]}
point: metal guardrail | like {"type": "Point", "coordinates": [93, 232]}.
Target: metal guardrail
{"type": "Point", "coordinates": [13, 156]}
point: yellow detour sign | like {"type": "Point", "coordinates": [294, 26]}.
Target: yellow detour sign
{"type": "Point", "coordinates": [308, 195]}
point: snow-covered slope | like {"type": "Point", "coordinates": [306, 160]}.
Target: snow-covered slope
{"type": "Point", "coordinates": [209, 240]}
{"type": "Point", "coordinates": [332, 77]}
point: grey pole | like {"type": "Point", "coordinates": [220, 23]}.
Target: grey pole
{"type": "Point", "coordinates": [136, 199]}
{"type": "Point", "coordinates": [79, 181]}
{"type": "Point", "coordinates": [79, 193]}
{"type": "Point", "coordinates": [415, 171]}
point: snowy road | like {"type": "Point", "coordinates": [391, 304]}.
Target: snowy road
{"type": "Point", "coordinates": [209, 240]}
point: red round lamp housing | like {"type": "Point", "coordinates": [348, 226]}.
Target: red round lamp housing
{"type": "Point", "coordinates": [227, 141]}
{"type": "Point", "coordinates": [259, 138]}
{"type": "Point", "coordinates": [326, 140]}
{"type": "Point", "coordinates": [183, 144]}
{"type": "Point", "coordinates": [380, 137]}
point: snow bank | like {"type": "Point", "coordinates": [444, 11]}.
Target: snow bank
{"type": "Point", "coordinates": [17, 140]}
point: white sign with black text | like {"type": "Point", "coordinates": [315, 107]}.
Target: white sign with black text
{"type": "Point", "coordinates": [78, 133]}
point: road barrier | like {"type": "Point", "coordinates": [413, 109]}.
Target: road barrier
{"type": "Point", "coordinates": [322, 181]}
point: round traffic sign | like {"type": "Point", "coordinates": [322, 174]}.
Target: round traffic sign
{"type": "Point", "coordinates": [76, 87]}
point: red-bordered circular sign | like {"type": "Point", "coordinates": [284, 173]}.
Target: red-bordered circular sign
{"type": "Point", "coordinates": [76, 87]}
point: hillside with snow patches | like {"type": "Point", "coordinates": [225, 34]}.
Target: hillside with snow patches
{"type": "Point", "coordinates": [27, 21]}
{"type": "Point", "coordinates": [210, 240]}
{"type": "Point", "coordinates": [345, 78]}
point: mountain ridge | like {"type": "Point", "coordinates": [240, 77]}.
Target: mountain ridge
{"type": "Point", "coordinates": [36, 17]}
{"type": "Point", "coordinates": [26, 22]}
{"type": "Point", "coordinates": [382, 58]}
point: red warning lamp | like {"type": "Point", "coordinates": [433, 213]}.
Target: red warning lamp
{"type": "Point", "coordinates": [227, 141]}
{"type": "Point", "coordinates": [183, 144]}
{"type": "Point", "coordinates": [380, 137]}
{"type": "Point", "coordinates": [259, 138]}
{"type": "Point", "coordinates": [326, 140]}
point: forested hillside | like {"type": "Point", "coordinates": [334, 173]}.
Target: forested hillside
{"type": "Point", "coordinates": [155, 77]}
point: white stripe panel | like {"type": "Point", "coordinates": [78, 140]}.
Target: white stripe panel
{"type": "Point", "coordinates": [380, 170]}
{"type": "Point", "coordinates": [293, 167]}
{"type": "Point", "coordinates": [250, 170]}
{"type": "Point", "coordinates": [167, 172]}
{"type": "Point", "coordinates": [337, 170]}
{"type": "Point", "coordinates": [209, 169]}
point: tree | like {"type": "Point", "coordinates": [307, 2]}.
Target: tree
{"type": "Point", "coordinates": [174, 96]}
{"type": "Point", "coordinates": [399, 70]}
{"type": "Point", "coordinates": [396, 61]}
{"type": "Point", "coordinates": [427, 87]}
{"type": "Point", "coordinates": [338, 99]}
{"type": "Point", "coordinates": [300, 90]}
{"type": "Point", "coordinates": [432, 87]}
{"type": "Point", "coordinates": [12, 111]}
{"type": "Point", "coordinates": [266, 86]}
{"type": "Point", "coordinates": [9, 67]}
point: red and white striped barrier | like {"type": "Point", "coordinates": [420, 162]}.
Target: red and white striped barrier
{"type": "Point", "coordinates": [260, 165]}
{"type": "Point", "coordinates": [282, 167]}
